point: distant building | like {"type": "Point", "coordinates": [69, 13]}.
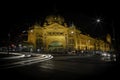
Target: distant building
{"type": "Point", "coordinates": [56, 36]}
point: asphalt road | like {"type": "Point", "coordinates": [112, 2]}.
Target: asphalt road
{"type": "Point", "coordinates": [17, 61]}
{"type": "Point", "coordinates": [64, 68]}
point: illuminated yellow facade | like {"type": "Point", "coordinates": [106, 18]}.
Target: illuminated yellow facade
{"type": "Point", "coordinates": [56, 35]}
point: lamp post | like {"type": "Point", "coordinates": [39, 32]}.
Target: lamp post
{"type": "Point", "coordinates": [98, 21]}
{"type": "Point", "coordinates": [8, 41]}
{"type": "Point", "coordinates": [113, 39]}
{"type": "Point", "coordinates": [66, 43]}
{"type": "Point", "coordinates": [98, 24]}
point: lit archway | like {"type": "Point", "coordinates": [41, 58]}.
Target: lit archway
{"type": "Point", "coordinates": [55, 46]}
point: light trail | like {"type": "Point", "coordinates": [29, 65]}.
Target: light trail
{"type": "Point", "coordinates": [31, 60]}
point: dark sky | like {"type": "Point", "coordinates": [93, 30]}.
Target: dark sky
{"type": "Point", "coordinates": [19, 15]}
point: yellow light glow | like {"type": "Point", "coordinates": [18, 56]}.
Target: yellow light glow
{"type": "Point", "coordinates": [72, 32]}
{"type": "Point", "coordinates": [31, 30]}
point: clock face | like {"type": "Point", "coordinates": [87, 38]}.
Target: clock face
{"type": "Point", "coordinates": [54, 19]}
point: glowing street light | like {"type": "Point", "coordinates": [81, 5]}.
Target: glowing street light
{"type": "Point", "coordinates": [98, 20]}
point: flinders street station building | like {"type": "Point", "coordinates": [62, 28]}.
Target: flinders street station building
{"type": "Point", "coordinates": [56, 36]}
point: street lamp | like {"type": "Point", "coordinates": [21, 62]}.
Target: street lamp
{"type": "Point", "coordinates": [98, 20]}
{"type": "Point", "coordinates": [113, 39]}
{"type": "Point", "coordinates": [99, 28]}
{"type": "Point", "coordinates": [8, 41]}
{"type": "Point", "coordinates": [98, 24]}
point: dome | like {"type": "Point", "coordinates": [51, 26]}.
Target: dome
{"type": "Point", "coordinates": [54, 19]}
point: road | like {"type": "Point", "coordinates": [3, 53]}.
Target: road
{"type": "Point", "coordinates": [64, 67]}
{"type": "Point", "coordinates": [27, 59]}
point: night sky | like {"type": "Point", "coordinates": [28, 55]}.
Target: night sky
{"type": "Point", "coordinates": [18, 15]}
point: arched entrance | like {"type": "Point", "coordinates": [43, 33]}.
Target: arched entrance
{"type": "Point", "coordinates": [55, 46]}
